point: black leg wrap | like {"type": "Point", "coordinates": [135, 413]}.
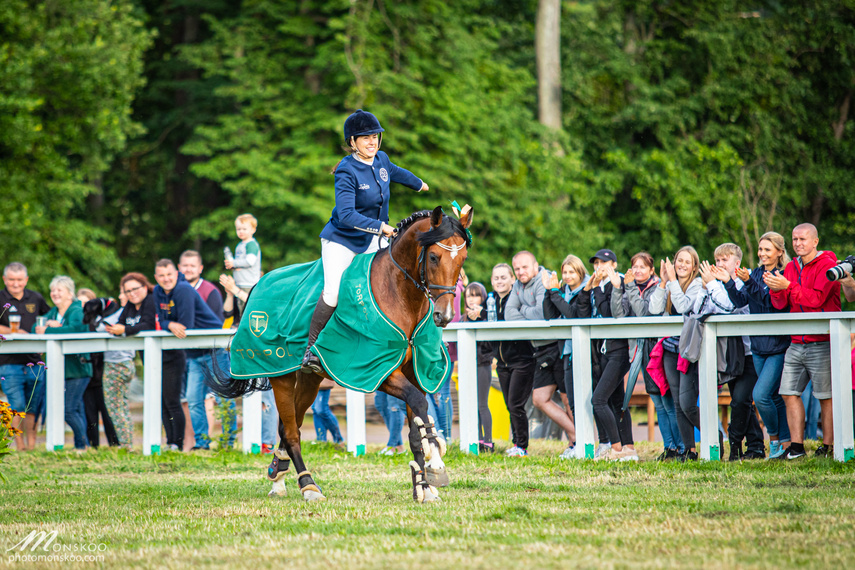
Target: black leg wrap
{"type": "Point", "coordinates": [305, 480]}
{"type": "Point", "coordinates": [280, 465]}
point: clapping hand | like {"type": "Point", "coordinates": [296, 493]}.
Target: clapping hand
{"type": "Point", "coordinates": [720, 273]}
{"type": "Point", "coordinates": [775, 281]}
{"type": "Point", "coordinates": [612, 276]}
{"type": "Point", "coordinates": [550, 279]}
{"type": "Point", "coordinates": [743, 274]}
{"type": "Point", "coordinates": [706, 272]}
{"type": "Point", "coordinates": [629, 277]}
{"type": "Point", "coordinates": [594, 281]}
{"type": "Point", "coordinates": [670, 272]}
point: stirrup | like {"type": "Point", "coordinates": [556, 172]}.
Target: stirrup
{"type": "Point", "coordinates": [311, 364]}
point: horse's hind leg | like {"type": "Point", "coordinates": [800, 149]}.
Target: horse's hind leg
{"type": "Point", "coordinates": [305, 393]}
{"type": "Point", "coordinates": [279, 466]}
{"type": "Point", "coordinates": [294, 394]}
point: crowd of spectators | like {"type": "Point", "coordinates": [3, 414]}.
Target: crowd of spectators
{"type": "Point", "coordinates": [766, 374]}
{"type": "Point", "coordinates": [96, 385]}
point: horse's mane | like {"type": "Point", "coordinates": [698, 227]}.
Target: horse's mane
{"type": "Point", "coordinates": [449, 227]}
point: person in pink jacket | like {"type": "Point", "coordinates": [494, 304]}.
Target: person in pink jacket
{"type": "Point", "coordinates": [804, 288]}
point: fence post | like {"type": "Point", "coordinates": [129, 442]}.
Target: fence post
{"type": "Point", "coordinates": [152, 355]}
{"type": "Point", "coordinates": [708, 392]}
{"type": "Point", "coordinates": [841, 389]}
{"type": "Point", "coordinates": [467, 390]}
{"type": "Point", "coordinates": [355, 422]}
{"type": "Point", "coordinates": [583, 391]}
{"type": "Point", "coordinates": [55, 387]}
{"type": "Point", "coordinates": [252, 423]}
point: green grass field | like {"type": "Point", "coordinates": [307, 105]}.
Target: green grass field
{"type": "Point", "coordinates": [192, 511]}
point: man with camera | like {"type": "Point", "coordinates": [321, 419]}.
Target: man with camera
{"type": "Point", "coordinates": [842, 273]}
{"type": "Point", "coordinates": [805, 288]}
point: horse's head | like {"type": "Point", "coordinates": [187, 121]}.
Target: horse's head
{"type": "Point", "coordinates": [446, 246]}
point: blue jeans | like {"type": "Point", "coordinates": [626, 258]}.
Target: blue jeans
{"type": "Point", "coordinates": [324, 419]}
{"type": "Point", "coordinates": [393, 411]}
{"type": "Point", "coordinates": [667, 416]}
{"type": "Point", "coordinates": [269, 418]}
{"type": "Point", "coordinates": [769, 402]}
{"type": "Point", "coordinates": [75, 415]}
{"type": "Point", "coordinates": [811, 412]}
{"type": "Point", "coordinates": [20, 386]}
{"type": "Point", "coordinates": [441, 407]}
{"type": "Point", "coordinates": [196, 392]}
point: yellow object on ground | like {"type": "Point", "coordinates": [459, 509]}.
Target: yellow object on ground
{"type": "Point", "coordinates": [498, 409]}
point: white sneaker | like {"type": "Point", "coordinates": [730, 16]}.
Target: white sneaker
{"type": "Point", "coordinates": [602, 450]}
{"type": "Point", "coordinates": [628, 454]}
{"type": "Point", "coordinates": [516, 452]}
{"type": "Point", "coordinates": [387, 451]}
{"type": "Point", "coordinates": [569, 453]}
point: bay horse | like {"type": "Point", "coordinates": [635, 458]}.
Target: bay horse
{"type": "Point", "coordinates": [422, 264]}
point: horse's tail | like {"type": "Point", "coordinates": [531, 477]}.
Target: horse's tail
{"type": "Point", "coordinates": [221, 382]}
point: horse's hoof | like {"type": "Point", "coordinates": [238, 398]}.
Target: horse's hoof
{"type": "Point", "coordinates": [313, 496]}
{"type": "Point", "coordinates": [278, 489]}
{"type": "Point", "coordinates": [436, 477]}
{"type": "Point", "coordinates": [312, 493]}
{"type": "Point", "coordinates": [431, 497]}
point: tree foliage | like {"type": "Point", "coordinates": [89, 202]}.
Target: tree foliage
{"type": "Point", "coordinates": [681, 123]}
{"type": "Point", "coordinates": [69, 73]}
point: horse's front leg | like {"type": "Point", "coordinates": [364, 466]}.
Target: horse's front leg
{"type": "Point", "coordinates": [425, 443]}
{"type": "Point", "coordinates": [423, 492]}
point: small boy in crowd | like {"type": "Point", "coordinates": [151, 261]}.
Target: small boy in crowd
{"type": "Point", "coordinates": [247, 260]}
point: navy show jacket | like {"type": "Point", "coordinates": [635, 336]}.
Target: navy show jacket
{"type": "Point", "coordinates": [362, 200]}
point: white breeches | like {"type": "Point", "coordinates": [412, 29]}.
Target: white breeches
{"type": "Point", "coordinates": [336, 258]}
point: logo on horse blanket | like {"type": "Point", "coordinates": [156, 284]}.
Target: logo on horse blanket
{"type": "Point", "coordinates": [360, 346]}
{"type": "Point", "coordinates": [257, 322]}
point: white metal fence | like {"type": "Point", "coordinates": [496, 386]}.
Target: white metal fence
{"type": "Point", "coordinates": [581, 331]}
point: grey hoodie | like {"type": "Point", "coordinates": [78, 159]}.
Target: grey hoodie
{"type": "Point", "coordinates": [525, 302]}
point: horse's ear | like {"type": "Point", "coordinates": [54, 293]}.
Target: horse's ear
{"type": "Point", "coordinates": [436, 217]}
{"type": "Point", "coordinates": [466, 216]}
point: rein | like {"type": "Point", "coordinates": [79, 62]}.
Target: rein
{"type": "Point", "coordinates": [425, 286]}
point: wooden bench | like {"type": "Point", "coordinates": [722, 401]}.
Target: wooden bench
{"type": "Point", "coordinates": [640, 399]}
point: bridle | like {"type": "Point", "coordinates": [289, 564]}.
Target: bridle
{"type": "Point", "coordinates": [424, 285]}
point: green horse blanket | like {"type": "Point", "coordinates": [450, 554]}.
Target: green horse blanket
{"type": "Point", "coordinates": [360, 346]}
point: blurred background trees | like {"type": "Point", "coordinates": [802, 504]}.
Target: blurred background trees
{"type": "Point", "coordinates": [131, 130]}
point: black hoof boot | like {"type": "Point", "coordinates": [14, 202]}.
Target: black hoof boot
{"type": "Point", "coordinates": [311, 363]}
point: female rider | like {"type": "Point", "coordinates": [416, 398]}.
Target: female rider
{"type": "Point", "coordinates": [360, 216]}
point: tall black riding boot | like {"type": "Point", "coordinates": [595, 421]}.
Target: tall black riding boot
{"type": "Point", "coordinates": [320, 317]}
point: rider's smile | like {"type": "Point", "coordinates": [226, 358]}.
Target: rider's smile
{"type": "Point", "coordinates": [367, 146]}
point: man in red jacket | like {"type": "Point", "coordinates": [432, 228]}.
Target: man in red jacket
{"type": "Point", "coordinates": [805, 289]}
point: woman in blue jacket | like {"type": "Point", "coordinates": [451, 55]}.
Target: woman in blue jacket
{"type": "Point", "coordinates": [361, 214]}
{"type": "Point", "coordinates": [767, 351]}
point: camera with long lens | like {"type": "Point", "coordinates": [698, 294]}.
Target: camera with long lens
{"type": "Point", "coordinates": [840, 270]}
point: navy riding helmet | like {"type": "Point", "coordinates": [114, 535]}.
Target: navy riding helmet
{"type": "Point", "coordinates": [361, 123]}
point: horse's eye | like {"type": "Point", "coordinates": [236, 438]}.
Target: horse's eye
{"type": "Point", "coordinates": [434, 258]}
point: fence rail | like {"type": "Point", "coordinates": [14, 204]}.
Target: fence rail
{"type": "Point", "coordinates": [581, 331]}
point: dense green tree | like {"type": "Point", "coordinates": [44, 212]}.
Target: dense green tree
{"type": "Point", "coordinates": [68, 76]}
{"type": "Point", "coordinates": [681, 123]}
